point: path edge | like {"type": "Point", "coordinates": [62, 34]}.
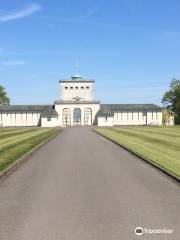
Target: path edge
{"type": "Point", "coordinates": [160, 168]}
{"type": "Point", "coordinates": [18, 162]}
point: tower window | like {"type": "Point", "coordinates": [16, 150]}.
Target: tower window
{"type": "Point", "coordinates": [76, 87]}
{"type": "Point", "coordinates": [82, 87]}
{"type": "Point", "coordinates": [71, 87]}
{"type": "Point", "coordinates": [87, 87]}
{"type": "Point", "coordinates": [66, 87]}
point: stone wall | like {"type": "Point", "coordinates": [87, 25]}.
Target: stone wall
{"type": "Point", "coordinates": [132, 118]}
{"type": "Point", "coordinates": [20, 119]}
{"type": "Point", "coordinates": [83, 90]}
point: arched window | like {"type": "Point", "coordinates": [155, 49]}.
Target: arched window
{"type": "Point", "coordinates": [77, 116]}
{"type": "Point", "coordinates": [66, 117]}
{"type": "Point", "coordinates": [88, 116]}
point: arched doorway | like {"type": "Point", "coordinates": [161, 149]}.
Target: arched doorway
{"type": "Point", "coordinates": [66, 117]}
{"type": "Point", "coordinates": [77, 116]}
{"type": "Point", "coordinates": [87, 116]}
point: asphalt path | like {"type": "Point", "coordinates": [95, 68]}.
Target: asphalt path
{"type": "Point", "coordinates": [80, 186]}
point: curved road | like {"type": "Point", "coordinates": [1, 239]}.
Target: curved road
{"type": "Point", "coordinates": [80, 186]}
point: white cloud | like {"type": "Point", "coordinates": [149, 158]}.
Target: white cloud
{"type": "Point", "coordinates": [13, 63]}
{"type": "Point", "coordinates": [20, 14]}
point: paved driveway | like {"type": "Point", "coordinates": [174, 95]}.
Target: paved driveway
{"type": "Point", "coordinates": [81, 186]}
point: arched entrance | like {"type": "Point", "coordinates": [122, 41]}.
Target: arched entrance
{"type": "Point", "coordinates": [87, 116]}
{"type": "Point", "coordinates": [66, 117]}
{"type": "Point", "coordinates": [77, 116]}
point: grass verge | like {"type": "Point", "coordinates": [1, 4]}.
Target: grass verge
{"type": "Point", "coordinates": [19, 143]}
{"type": "Point", "coordinates": [159, 145]}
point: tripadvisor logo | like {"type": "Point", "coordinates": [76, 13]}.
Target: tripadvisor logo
{"type": "Point", "coordinates": [138, 231]}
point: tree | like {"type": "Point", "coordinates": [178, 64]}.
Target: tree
{"type": "Point", "coordinates": [171, 99]}
{"type": "Point", "coordinates": [4, 99]}
{"type": "Point", "coordinates": [167, 117]}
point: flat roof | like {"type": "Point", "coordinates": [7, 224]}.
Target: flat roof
{"type": "Point", "coordinates": [75, 102]}
{"type": "Point", "coordinates": [76, 81]}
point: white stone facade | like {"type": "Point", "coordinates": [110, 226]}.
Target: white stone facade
{"type": "Point", "coordinates": [49, 122]}
{"type": "Point", "coordinates": [132, 118]}
{"type": "Point", "coordinates": [77, 107]}
{"type": "Point", "coordinates": [66, 113]}
{"type": "Point", "coordinates": [71, 89]}
{"type": "Point", "coordinates": [106, 121]}
{"type": "Point", "coordinates": [19, 119]}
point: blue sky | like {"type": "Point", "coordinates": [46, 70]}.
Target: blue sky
{"type": "Point", "coordinates": [130, 47]}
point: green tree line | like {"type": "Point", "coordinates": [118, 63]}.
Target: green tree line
{"type": "Point", "coordinates": [171, 99]}
{"type": "Point", "coordinates": [4, 99]}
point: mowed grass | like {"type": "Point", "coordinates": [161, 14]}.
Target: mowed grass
{"type": "Point", "coordinates": [160, 145]}
{"type": "Point", "coordinates": [16, 142]}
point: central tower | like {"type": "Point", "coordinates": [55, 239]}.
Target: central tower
{"type": "Point", "coordinates": [76, 106]}
{"type": "Point", "coordinates": [76, 89]}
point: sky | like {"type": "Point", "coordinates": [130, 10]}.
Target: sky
{"type": "Point", "coordinates": [130, 47]}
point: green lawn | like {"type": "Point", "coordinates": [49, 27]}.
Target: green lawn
{"type": "Point", "coordinates": [158, 144]}
{"type": "Point", "coordinates": [16, 142]}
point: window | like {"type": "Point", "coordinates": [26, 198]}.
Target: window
{"type": "Point", "coordinates": [71, 87]}
{"type": "Point", "coordinates": [66, 117]}
{"type": "Point", "coordinates": [156, 116]}
{"type": "Point", "coordinates": [106, 118]}
{"type": "Point", "coordinates": [66, 87]}
{"type": "Point", "coordinates": [87, 116]}
{"type": "Point", "coordinates": [76, 87]}
{"type": "Point", "coordinates": [77, 116]}
{"type": "Point", "coordinates": [48, 119]}
{"type": "Point", "coordinates": [87, 87]}
{"type": "Point", "coordinates": [82, 87]}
